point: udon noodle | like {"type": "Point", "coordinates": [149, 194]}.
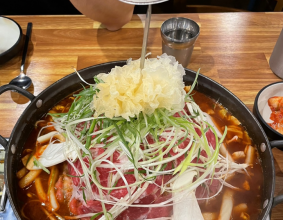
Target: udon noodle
{"type": "Point", "coordinates": [140, 145]}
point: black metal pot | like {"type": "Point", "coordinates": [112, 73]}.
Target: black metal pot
{"type": "Point", "coordinates": [49, 97]}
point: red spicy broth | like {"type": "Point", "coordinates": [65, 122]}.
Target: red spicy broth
{"type": "Point", "coordinates": [249, 188]}
{"type": "Point", "coordinates": [253, 192]}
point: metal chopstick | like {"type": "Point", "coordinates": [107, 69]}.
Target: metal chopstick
{"type": "Point", "coordinates": [145, 36]}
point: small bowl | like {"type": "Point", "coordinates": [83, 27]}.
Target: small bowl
{"type": "Point", "coordinates": [11, 39]}
{"type": "Point", "coordinates": [262, 110]}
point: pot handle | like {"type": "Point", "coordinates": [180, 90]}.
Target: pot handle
{"type": "Point", "coordinates": [25, 93]}
{"type": "Point", "coordinates": [277, 200]}
{"type": "Point", "coordinates": [3, 142]}
{"type": "Point", "coordinates": [278, 144]}
{"type": "Point", "coordinates": [9, 87]}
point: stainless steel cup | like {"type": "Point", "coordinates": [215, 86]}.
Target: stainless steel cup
{"type": "Point", "coordinates": [178, 38]}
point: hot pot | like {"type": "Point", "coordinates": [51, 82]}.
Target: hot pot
{"type": "Point", "coordinates": [40, 104]}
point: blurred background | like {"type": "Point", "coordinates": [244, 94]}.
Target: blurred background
{"type": "Point", "coordinates": [53, 7]}
{"type": "Point", "coordinates": [208, 6]}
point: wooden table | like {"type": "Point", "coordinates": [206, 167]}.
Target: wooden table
{"type": "Point", "coordinates": [233, 49]}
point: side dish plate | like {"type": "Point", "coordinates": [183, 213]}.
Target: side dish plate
{"type": "Point", "coordinates": [11, 39]}
{"type": "Point", "coordinates": [262, 110]}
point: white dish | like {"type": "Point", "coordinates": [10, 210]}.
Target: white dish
{"type": "Point", "coordinates": [9, 34]}
{"type": "Point", "coordinates": [263, 107]}
{"type": "Point", "coordinates": [143, 2]}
